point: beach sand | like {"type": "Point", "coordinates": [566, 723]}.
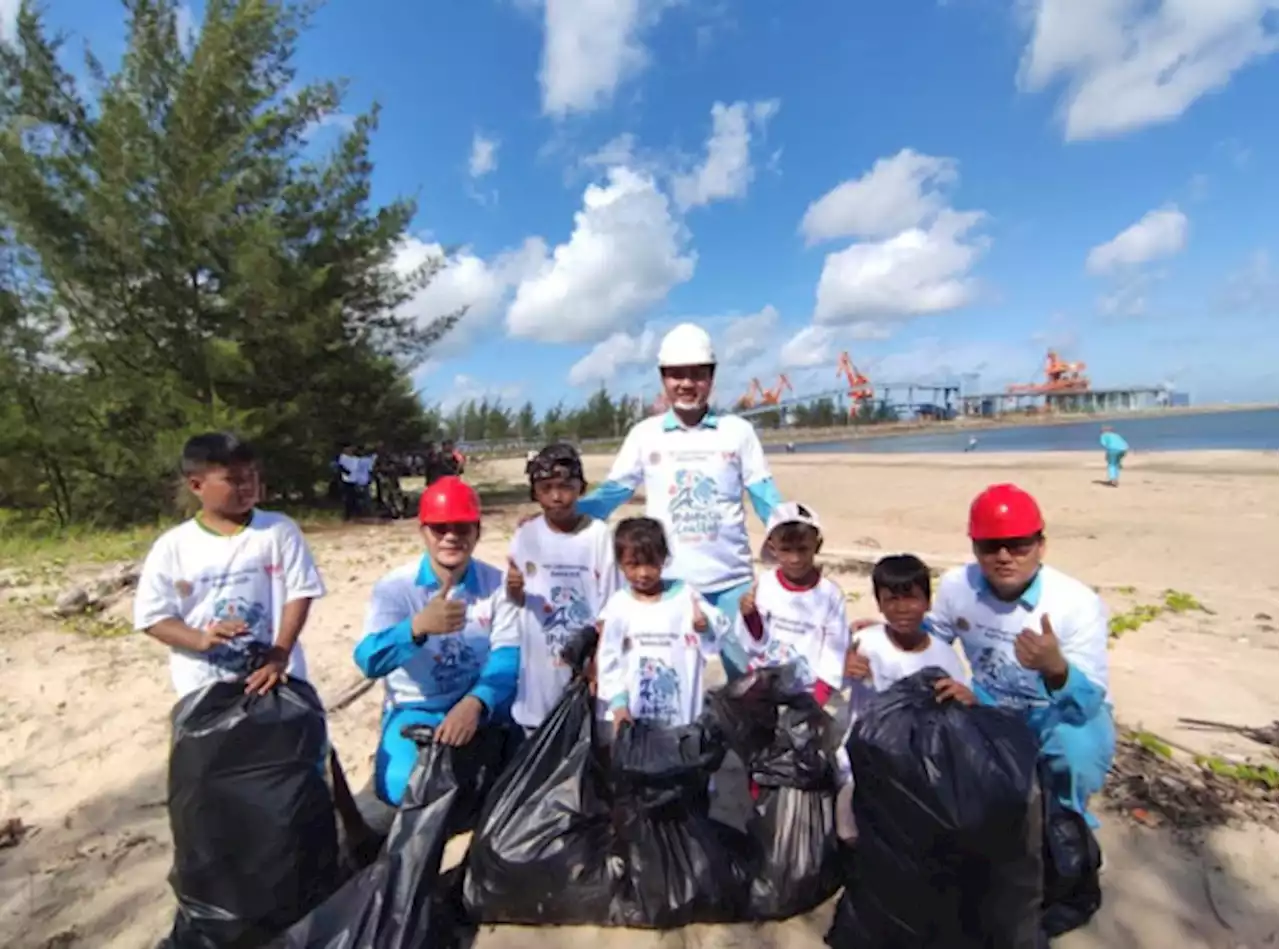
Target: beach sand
{"type": "Point", "coordinates": [84, 730]}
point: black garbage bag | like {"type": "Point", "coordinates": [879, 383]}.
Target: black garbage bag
{"type": "Point", "coordinates": [787, 743]}
{"type": "Point", "coordinates": [541, 852]}
{"type": "Point", "coordinates": [402, 901]}
{"type": "Point", "coordinates": [947, 803]}
{"type": "Point", "coordinates": [255, 841]}
{"type": "Point", "coordinates": [681, 866]}
{"type": "Point", "coordinates": [1072, 859]}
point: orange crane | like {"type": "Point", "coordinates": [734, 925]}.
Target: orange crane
{"type": "Point", "coordinates": [1059, 376]}
{"type": "Point", "coordinates": [753, 396]}
{"type": "Point", "coordinates": [774, 395]}
{"type": "Point", "coordinates": [859, 385]}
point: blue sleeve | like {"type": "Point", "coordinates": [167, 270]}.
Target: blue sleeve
{"type": "Point", "coordinates": [604, 499]}
{"type": "Point", "coordinates": [765, 496]}
{"type": "Point", "coordinates": [497, 685]}
{"type": "Point", "coordinates": [380, 654]}
{"type": "Point", "coordinates": [1079, 699]}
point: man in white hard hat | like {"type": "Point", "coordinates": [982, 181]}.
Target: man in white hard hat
{"type": "Point", "coordinates": [695, 466]}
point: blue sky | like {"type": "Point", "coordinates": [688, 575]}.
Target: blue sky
{"type": "Point", "coordinates": [938, 188]}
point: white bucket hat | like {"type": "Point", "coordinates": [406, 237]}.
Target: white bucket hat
{"type": "Point", "coordinates": [788, 512]}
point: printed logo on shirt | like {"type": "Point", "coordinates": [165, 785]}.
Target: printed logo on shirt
{"type": "Point", "coordinates": [453, 664]}
{"type": "Point", "coordinates": [566, 607]}
{"type": "Point", "coordinates": [530, 568]}
{"type": "Point", "coordinates": [184, 588]}
{"type": "Point", "coordinates": [626, 644]}
{"type": "Point", "coordinates": [962, 624]}
{"type": "Point", "coordinates": [234, 654]}
{"type": "Point", "coordinates": [1008, 681]}
{"type": "Point", "coordinates": [695, 517]}
{"type": "Point", "coordinates": [274, 570]}
{"type": "Point", "coordinates": [658, 698]}
{"type": "Point", "coordinates": [729, 456]}
{"type": "Point", "coordinates": [655, 457]}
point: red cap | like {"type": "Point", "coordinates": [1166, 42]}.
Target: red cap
{"type": "Point", "coordinates": [449, 500]}
{"type": "Point", "coordinates": [1004, 511]}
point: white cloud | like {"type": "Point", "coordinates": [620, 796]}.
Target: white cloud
{"type": "Point", "coordinates": [625, 254]}
{"type": "Point", "coordinates": [484, 156]}
{"type": "Point", "coordinates": [589, 48]}
{"type": "Point", "coordinates": [465, 389]}
{"type": "Point", "coordinates": [9, 20]}
{"type": "Point", "coordinates": [809, 347]}
{"type": "Point", "coordinates": [745, 338]}
{"type": "Point", "coordinates": [920, 271]}
{"type": "Point", "coordinates": [898, 193]}
{"type": "Point", "coordinates": [467, 281]}
{"type": "Point", "coordinates": [1253, 289]}
{"type": "Point", "coordinates": [726, 170]}
{"type": "Point", "coordinates": [611, 355]}
{"type": "Point", "coordinates": [1128, 64]}
{"type": "Point", "coordinates": [1160, 233]}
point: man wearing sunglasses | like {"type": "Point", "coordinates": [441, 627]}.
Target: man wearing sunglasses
{"type": "Point", "coordinates": [1036, 640]}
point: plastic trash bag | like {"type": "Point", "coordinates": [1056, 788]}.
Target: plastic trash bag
{"type": "Point", "coordinates": [1072, 859]}
{"type": "Point", "coordinates": [787, 743]}
{"type": "Point", "coordinates": [568, 838]}
{"type": "Point", "coordinates": [254, 836]}
{"type": "Point", "coordinates": [540, 854]}
{"type": "Point", "coordinates": [402, 901]}
{"type": "Point", "coordinates": [949, 815]}
{"type": "Point", "coordinates": [681, 866]}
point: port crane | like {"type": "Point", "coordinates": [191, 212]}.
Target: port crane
{"type": "Point", "coordinates": [1059, 376]}
{"type": "Point", "coordinates": [859, 385]}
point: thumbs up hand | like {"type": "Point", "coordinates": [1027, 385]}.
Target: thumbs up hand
{"type": "Point", "coordinates": [700, 624]}
{"type": "Point", "coordinates": [857, 667]}
{"type": "Point", "coordinates": [515, 583]}
{"type": "Point", "coordinates": [1041, 652]}
{"type": "Point", "coordinates": [747, 602]}
{"type": "Point", "coordinates": [441, 615]}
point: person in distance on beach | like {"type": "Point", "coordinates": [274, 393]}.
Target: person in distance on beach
{"type": "Point", "coordinates": [1115, 447]}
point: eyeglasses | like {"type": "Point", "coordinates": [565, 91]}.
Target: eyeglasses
{"type": "Point", "coordinates": [1017, 546]}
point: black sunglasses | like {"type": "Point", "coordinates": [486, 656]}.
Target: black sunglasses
{"type": "Point", "coordinates": [1018, 546]}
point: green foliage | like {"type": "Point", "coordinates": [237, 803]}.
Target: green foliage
{"type": "Point", "coordinates": [599, 417]}
{"type": "Point", "coordinates": [175, 258]}
{"type": "Point", "coordinates": [1153, 743]}
{"type": "Point", "coordinates": [1133, 619]}
{"type": "Point", "coordinates": [1175, 601]}
{"type": "Point", "coordinates": [1263, 774]}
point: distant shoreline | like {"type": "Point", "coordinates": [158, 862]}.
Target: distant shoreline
{"type": "Point", "coordinates": [851, 433]}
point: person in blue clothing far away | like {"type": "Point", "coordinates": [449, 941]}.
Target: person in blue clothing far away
{"type": "Point", "coordinates": [444, 634]}
{"type": "Point", "coordinates": [695, 465]}
{"type": "Point", "coordinates": [1116, 448]}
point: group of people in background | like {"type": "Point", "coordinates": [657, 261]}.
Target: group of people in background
{"type": "Point", "coordinates": [461, 643]}
{"type": "Point", "coordinates": [369, 482]}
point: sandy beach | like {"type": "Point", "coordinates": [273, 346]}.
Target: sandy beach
{"type": "Point", "coordinates": [84, 730]}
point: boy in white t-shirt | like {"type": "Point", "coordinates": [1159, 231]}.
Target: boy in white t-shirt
{"type": "Point", "coordinates": [229, 590]}
{"type": "Point", "coordinates": [561, 567]}
{"type": "Point", "coordinates": [888, 652]}
{"type": "Point", "coordinates": [793, 614]}
{"type": "Point", "coordinates": [656, 636]}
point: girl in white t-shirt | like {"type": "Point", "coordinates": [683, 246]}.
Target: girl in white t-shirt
{"type": "Point", "coordinates": [888, 652]}
{"type": "Point", "coordinates": [561, 567]}
{"type": "Point", "coordinates": [656, 636]}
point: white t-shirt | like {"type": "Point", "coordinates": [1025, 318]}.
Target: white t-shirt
{"type": "Point", "coordinates": [444, 668]}
{"type": "Point", "coordinates": [364, 470]}
{"type": "Point", "coordinates": [650, 653]}
{"type": "Point", "coordinates": [964, 608]}
{"type": "Point", "coordinates": [807, 627]}
{"type": "Point", "coordinates": [350, 466]}
{"type": "Point", "coordinates": [693, 481]}
{"type": "Point", "coordinates": [201, 577]}
{"type": "Point", "coordinates": [568, 578]}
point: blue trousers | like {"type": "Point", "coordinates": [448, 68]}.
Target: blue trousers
{"type": "Point", "coordinates": [1114, 461]}
{"type": "Point", "coordinates": [1078, 758]}
{"type": "Point", "coordinates": [397, 755]}
{"type": "Point", "coordinates": [732, 655]}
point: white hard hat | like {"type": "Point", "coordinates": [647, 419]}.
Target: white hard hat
{"type": "Point", "coordinates": [686, 345]}
{"type": "Point", "coordinates": [788, 512]}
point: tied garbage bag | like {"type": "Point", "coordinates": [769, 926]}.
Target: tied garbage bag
{"type": "Point", "coordinates": [569, 839]}
{"type": "Point", "coordinates": [787, 743]}
{"type": "Point", "coordinates": [541, 852]}
{"type": "Point", "coordinates": [682, 867]}
{"type": "Point", "coordinates": [948, 809]}
{"type": "Point", "coordinates": [255, 841]}
{"type": "Point", "coordinates": [402, 901]}
{"type": "Point", "coordinates": [1072, 859]}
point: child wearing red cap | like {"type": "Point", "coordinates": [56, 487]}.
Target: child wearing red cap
{"type": "Point", "coordinates": [1036, 640]}
{"type": "Point", "coordinates": [445, 636]}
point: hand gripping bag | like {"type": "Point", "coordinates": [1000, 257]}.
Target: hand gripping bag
{"type": "Point", "coordinates": [787, 743]}
{"type": "Point", "coordinates": [254, 836]}
{"type": "Point", "coordinates": [948, 809]}
{"type": "Point", "coordinates": [542, 852]}
{"type": "Point", "coordinates": [402, 901]}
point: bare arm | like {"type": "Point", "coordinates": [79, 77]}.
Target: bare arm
{"type": "Point", "coordinates": [292, 618]}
